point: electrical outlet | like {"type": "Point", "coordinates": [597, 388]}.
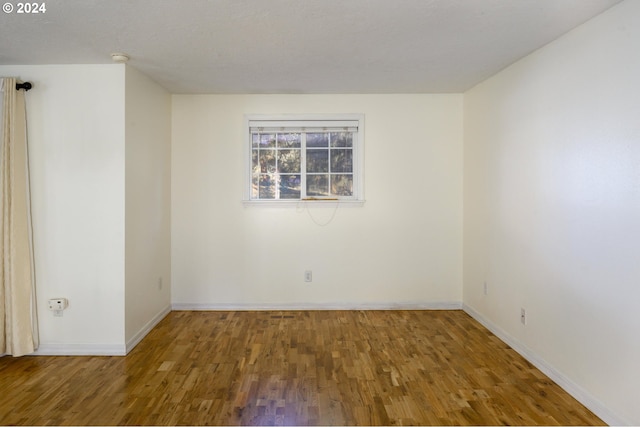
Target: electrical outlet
{"type": "Point", "coordinates": [486, 288]}
{"type": "Point", "coordinates": [58, 305]}
{"type": "Point", "coordinates": [523, 316]}
{"type": "Point", "coordinates": [308, 276]}
{"type": "Point", "coordinates": [159, 283]}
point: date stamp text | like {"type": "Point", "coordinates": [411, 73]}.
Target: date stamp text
{"type": "Point", "coordinates": [24, 8]}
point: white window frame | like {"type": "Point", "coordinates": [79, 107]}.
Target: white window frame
{"type": "Point", "coordinates": [307, 122]}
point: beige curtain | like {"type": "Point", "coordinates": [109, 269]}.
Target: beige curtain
{"type": "Point", "coordinates": [18, 322]}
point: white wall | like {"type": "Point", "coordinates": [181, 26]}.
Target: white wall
{"type": "Point", "coordinates": [147, 204]}
{"type": "Point", "coordinates": [75, 117]}
{"type": "Point", "coordinates": [402, 248]}
{"type": "Point", "coordinates": [552, 208]}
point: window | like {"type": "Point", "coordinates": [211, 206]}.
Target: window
{"type": "Point", "coordinates": [295, 158]}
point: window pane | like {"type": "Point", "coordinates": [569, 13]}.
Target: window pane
{"type": "Point", "coordinates": [342, 160]}
{"type": "Point", "coordinates": [267, 161]}
{"type": "Point", "coordinates": [317, 161]}
{"type": "Point", "coordinates": [290, 186]}
{"type": "Point", "coordinates": [255, 165]}
{"type": "Point", "coordinates": [342, 139]}
{"type": "Point", "coordinates": [342, 185]}
{"type": "Point", "coordinates": [255, 140]}
{"type": "Point", "coordinates": [289, 161]}
{"type": "Point", "coordinates": [317, 140]}
{"type": "Point", "coordinates": [289, 140]}
{"type": "Point", "coordinates": [267, 187]}
{"type": "Point", "coordinates": [267, 140]}
{"type": "Point", "coordinates": [255, 185]}
{"type": "Point", "coordinates": [318, 185]}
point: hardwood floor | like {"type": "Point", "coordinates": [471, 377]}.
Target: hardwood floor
{"type": "Point", "coordinates": [293, 368]}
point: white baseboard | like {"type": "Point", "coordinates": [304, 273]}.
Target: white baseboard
{"type": "Point", "coordinates": [440, 305]}
{"type": "Point", "coordinates": [135, 340]}
{"type": "Point", "coordinates": [581, 395]}
{"type": "Point", "coordinates": [80, 350]}
{"type": "Point", "coordinates": [70, 349]}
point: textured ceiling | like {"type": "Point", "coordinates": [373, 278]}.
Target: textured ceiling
{"type": "Point", "coordinates": [295, 46]}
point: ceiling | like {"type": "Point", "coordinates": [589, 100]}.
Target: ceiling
{"type": "Point", "coordinates": [295, 46]}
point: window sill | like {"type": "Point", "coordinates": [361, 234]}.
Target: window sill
{"type": "Point", "coordinates": [302, 203]}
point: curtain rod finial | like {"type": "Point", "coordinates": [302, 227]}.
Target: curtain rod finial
{"type": "Point", "coordinates": [26, 86]}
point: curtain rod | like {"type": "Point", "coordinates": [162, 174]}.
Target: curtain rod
{"type": "Point", "coordinates": [26, 86]}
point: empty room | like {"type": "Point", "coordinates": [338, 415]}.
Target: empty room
{"type": "Point", "coordinates": [287, 212]}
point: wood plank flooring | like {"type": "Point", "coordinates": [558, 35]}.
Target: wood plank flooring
{"type": "Point", "coordinates": [293, 368]}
